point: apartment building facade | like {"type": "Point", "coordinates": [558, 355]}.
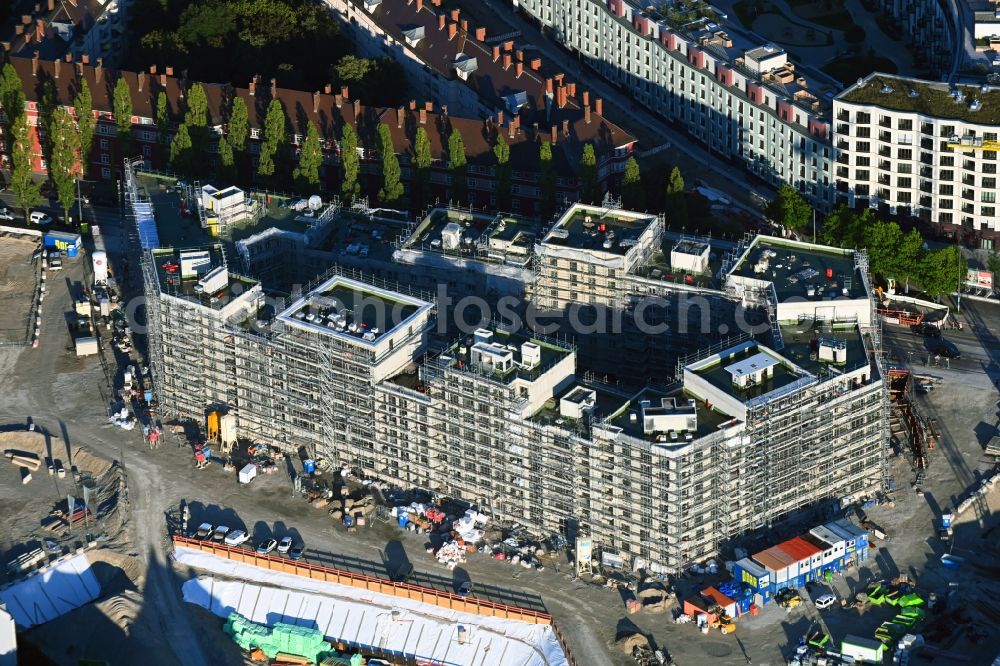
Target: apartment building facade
{"type": "Point", "coordinates": [748, 107]}
{"type": "Point", "coordinates": [921, 149]}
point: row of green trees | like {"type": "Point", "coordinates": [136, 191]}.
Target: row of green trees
{"type": "Point", "coordinates": [893, 253]}
{"type": "Point", "coordinates": [65, 142]}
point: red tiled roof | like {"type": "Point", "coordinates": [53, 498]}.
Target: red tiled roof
{"type": "Point", "coordinates": [774, 558]}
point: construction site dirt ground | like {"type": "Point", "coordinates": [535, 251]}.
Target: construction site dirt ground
{"type": "Point", "coordinates": [67, 395]}
{"type": "Point", "coordinates": [18, 278]}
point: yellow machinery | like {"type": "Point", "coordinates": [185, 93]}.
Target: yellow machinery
{"type": "Point", "coordinates": [221, 428]}
{"type": "Point", "coordinates": [973, 143]}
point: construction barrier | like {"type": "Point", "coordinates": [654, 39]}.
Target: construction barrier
{"type": "Point", "coordinates": [419, 593]}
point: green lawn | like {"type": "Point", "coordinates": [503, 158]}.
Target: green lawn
{"type": "Point", "coordinates": [849, 70]}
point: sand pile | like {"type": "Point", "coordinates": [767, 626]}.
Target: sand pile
{"type": "Point", "coordinates": [45, 446]}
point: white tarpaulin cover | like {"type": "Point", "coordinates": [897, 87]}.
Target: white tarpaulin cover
{"type": "Point", "coordinates": [52, 592]}
{"type": "Point", "coordinates": [368, 619]}
{"type": "Point", "coordinates": [8, 639]}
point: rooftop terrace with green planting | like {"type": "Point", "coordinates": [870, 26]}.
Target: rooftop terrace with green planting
{"type": "Point", "coordinates": [927, 97]}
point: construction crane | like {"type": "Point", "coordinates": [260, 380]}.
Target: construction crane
{"type": "Point", "coordinates": [972, 143]}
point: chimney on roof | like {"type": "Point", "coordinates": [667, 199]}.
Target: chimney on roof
{"type": "Point", "coordinates": [520, 55]}
{"type": "Point", "coordinates": [519, 69]}
{"type": "Point", "coordinates": [506, 61]}
{"type": "Point", "coordinates": [400, 114]}
{"type": "Point", "coordinates": [274, 88]}
{"type": "Point", "coordinates": [429, 106]}
{"type": "Point", "coordinates": [357, 109]}
{"type": "Point", "coordinates": [85, 59]}
{"type": "Point", "coordinates": [56, 66]}
{"type": "Point", "coordinates": [599, 107]}
{"type": "Point", "coordinates": [413, 105]}
{"type": "Point", "coordinates": [548, 86]}
{"type": "Point", "coordinates": [465, 25]}
{"type": "Point", "coordinates": [152, 69]}
{"type": "Point", "coordinates": [328, 89]}
{"type": "Point", "coordinates": [338, 99]}
{"type": "Point", "coordinates": [561, 96]}
{"type": "Point", "coordinates": [555, 134]}
{"type": "Point", "coordinates": [18, 29]}
{"type": "Point", "coordinates": [345, 92]}
{"type": "Point", "coordinates": [39, 29]}
{"type": "Point", "coordinates": [481, 34]}
{"type": "Point", "coordinates": [99, 70]}
{"type": "Point", "coordinates": [500, 117]}
{"type": "Point", "coordinates": [496, 53]}
{"type": "Point", "coordinates": [69, 57]}
{"type": "Point", "coordinates": [442, 19]}
{"type": "Point", "coordinates": [444, 110]}
{"type": "Point", "coordinates": [559, 77]}
{"type": "Point", "coordinates": [566, 128]}
{"type": "Point", "coordinates": [79, 70]}
{"type": "Point", "coordinates": [508, 46]}
{"type": "Point", "coordinates": [141, 77]}
{"type": "Point", "coordinates": [536, 64]}
{"type": "Point", "coordinates": [253, 85]}
{"type": "Point", "coordinates": [316, 102]}
{"type": "Point", "coordinates": [163, 81]}
{"type": "Point", "coordinates": [436, 3]}
{"type": "Point", "coordinates": [25, 19]}
{"type": "Point", "coordinates": [423, 116]}
{"type": "Point", "coordinates": [52, 5]}
{"type": "Point", "coordinates": [169, 70]}
{"type": "Point", "coordinates": [455, 14]}
{"type": "Point", "coordinates": [420, 5]}
{"type": "Point", "coordinates": [586, 112]}
{"type": "Point", "coordinates": [586, 98]}
{"type": "Point", "coordinates": [571, 89]}
{"type": "Point", "coordinates": [34, 63]}
{"type": "Point", "coordinates": [452, 31]}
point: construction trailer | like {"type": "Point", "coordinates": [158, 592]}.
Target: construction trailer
{"type": "Point", "coordinates": [863, 650]}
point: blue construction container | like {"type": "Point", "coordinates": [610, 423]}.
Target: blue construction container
{"type": "Point", "coordinates": [148, 395]}
{"type": "Point", "coordinates": [403, 520]}
{"type": "Point", "coordinates": [61, 240]}
{"type": "Point", "coordinates": [72, 251]}
{"type": "Point", "coordinates": [309, 466]}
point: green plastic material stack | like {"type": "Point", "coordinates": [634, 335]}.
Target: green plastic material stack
{"type": "Point", "coordinates": [286, 638]}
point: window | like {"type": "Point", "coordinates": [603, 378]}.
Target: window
{"type": "Point", "coordinates": [105, 158]}
{"type": "Point", "coordinates": [989, 197]}
{"type": "Point", "coordinates": [104, 144]}
{"type": "Point", "coordinates": [105, 172]}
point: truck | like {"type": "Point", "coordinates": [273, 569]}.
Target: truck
{"type": "Point", "coordinates": [214, 280]}
{"type": "Point", "coordinates": [248, 473]}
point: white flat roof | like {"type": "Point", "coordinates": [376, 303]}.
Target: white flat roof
{"type": "Point", "coordinates": [752, 365]}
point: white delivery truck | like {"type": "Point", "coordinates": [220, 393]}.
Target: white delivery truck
{"type": "Point", "coordinates": [248, 473]}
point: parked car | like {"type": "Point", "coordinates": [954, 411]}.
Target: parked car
{"type": "Point", "coordinates": [465, 589]}
{"type": "Point", "coordinates": [55, 264]}
{"type": "Point", "coordinates": [237, 538]}
{"type": "Point", "coordinates": [285, 545]}
{"type": "Point", "coordinates": [297, 551]}
{"type": "Point", "coordinates": [926, 329]}
{"type": "Point", "coordinates": [266, 546]}
{"type": "Point", "coordinates": [947, 350]}
{"type": "Point", "coordinates": [40, 218]}
{"type": "Point", "coordinates": [204, 531]}
{"type": "Point", "coordinates": [5, 214]}
{"type": "Point", "coordinates": [220, 533]}
{"type": "Point", "coordinates": [825, 601]}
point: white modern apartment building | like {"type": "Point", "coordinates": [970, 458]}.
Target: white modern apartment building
{"type": "Point", "coordinates": [891, 150]}
{"type": "Point", "coordinates": [745, 101]}
{"type": "Point", "coordinates": [920, 148]}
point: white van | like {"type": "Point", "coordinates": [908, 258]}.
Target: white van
{"type": "Point", "coordinates": [38, 217]}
